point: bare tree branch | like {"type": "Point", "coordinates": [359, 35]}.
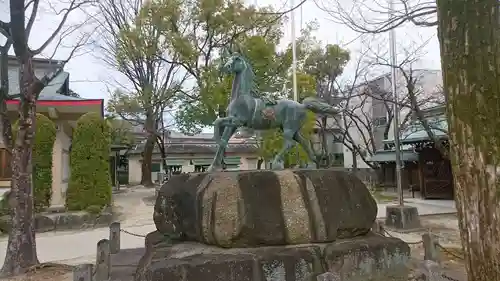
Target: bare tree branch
{"type": "Point", "coordinates": [362, 133]}
{"type": "Point", "coordinates": [5, 29]}
{"type": "Point", "coordinates": [32, 18]}
{"type": "Point", "coordinates": [421, 13]}
{"type": "Point", "coordinates": [66, 12]}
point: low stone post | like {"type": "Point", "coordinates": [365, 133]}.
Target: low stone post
{"type": "Point", "coordinates": [431, 270]}
{"type": "Point", "coordinates": [431, 252]}
{"type": "Point", "coordinates": [83, 272]}
{"type": "Point", "coordinates": [114, 237]}
{"type": "Point", "coordinates": [329, 276]}
{"type": "Point", "coordinates": [103, 261]}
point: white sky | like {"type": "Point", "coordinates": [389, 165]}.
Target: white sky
{"type": "Point", "coordinates": [93, 79]}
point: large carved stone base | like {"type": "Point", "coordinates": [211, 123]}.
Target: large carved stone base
{"type": "Point", "coordinates": [371, 257]}
{"type": "Point", "coordinates": [257, 208]}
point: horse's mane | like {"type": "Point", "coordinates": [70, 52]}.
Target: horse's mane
{"type": "Point", "coordinates": [254, 90]}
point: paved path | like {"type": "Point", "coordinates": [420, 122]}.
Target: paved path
{"type": "Point", "coordinates": [75, 247]}
{"type": "Point", "coordinates": [80, 246]}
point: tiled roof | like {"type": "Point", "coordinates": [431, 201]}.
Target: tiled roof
{"type": "Point", "coordinates": [51, 91]}
{"type": "Point", "coordinates": [415, 131]}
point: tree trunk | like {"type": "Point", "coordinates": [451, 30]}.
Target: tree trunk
{"type": "Point", "coordinates": [21, 248]}
{"type": "Point", "coordinates": [354, 162]}
{"type": "Point", "coordinates": [160, 141]}
{"type": "Point", "coordinates": [469, 39]}
{"type": "Point", "coordinates": [147, 161]}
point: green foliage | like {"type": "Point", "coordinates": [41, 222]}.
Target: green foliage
{"type": "Point", "coordinates": [197, 30]}
{"type": "Point", "coordinates": [318, 67]}
{"type": "Point", "coordinates": [137, 53]}
{"type": "Point", "coordinates": [120, 131]}
{"type": "Point", "coordinates": [326, 64]}
{"type": "Point", "coordinates": [90, 184]}
{"type": "Point", "coordinates": [270, 67]}
{"type": "Point", "coordinates": [45, 136]}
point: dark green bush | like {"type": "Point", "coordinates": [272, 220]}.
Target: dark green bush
{"type": "Point", "coordinates": [45, 136]}
{"type": "Point", "coordinates": [90, 183]}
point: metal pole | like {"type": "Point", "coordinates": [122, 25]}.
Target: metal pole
{"type": "Point", "coordinates": [392, 41]}
{"type": "Point", "coordinates": [301, 17]}
{"type": "Point", "coordinates": [294, 53]}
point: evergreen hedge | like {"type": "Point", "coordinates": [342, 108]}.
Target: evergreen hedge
{"type": "Point", "coordinates": [45, 136]}
{"type": "Point", "coordinates": [89, 186]}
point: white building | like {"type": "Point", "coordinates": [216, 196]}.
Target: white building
{"type": "Point", "coordinates": [369, 106]}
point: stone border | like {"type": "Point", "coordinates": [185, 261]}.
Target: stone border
{"type": "Point", "coordinates": [45, 222]}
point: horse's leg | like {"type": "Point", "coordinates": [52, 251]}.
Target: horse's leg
{"type": "Point", "coordinates": [305, 145]}
{"type": "Point", "coordinates": [218, 124]}
{"type": "Point", "coordinates": [221, 148]}
{"type": "Point", "coordinates": [288, 143]}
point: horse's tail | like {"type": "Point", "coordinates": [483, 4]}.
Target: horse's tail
{"type": "Point", "coordinates": [319, 107]}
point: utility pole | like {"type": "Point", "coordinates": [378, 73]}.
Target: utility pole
{"type": "Point", "coordinates": [294, 52]}
{"type": "Point", "coordinates": [392, 42]}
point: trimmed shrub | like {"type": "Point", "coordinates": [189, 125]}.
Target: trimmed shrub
{"type": "Point", "coordinates": [90, 183]}
{"type": "Point", "coordinates": [45, 136]}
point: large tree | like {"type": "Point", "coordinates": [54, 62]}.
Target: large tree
{"type": "Point", "coordinates": [271, 141]}
{"type": "Point", "coordinates": [326, 64]}
{"type": "Point", "coordinates": [132, 42]}
{"type": "Point", "coordinates": [197, 30]}
{"type": "Point", "coordinates": [21, 248]}
{"type": "Point", "coordinates": [469, 34]}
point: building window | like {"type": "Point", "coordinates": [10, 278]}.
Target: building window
{"type": "Point", "coordinates": [337, 138]}
{"type": "Point", "coordinates": [381, 121]}
{"type": "Point", "coordinates": [5, 167]}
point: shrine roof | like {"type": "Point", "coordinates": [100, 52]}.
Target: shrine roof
{"type": "Point", "coordinates": [415, 132]}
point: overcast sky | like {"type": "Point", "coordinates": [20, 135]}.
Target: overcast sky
{"type": "Point", "coordinates": [93, 79]}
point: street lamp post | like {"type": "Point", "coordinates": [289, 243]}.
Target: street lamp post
{"type": "Point", "coordinates": [392, 42]}
{"type": "Point", "coordinates": [294, 52]}
{"type": "Point", "coordinates": [398, 217]}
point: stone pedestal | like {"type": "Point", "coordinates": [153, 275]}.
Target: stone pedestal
{"type": "Point", "coordinates": [289, 225]}
{"type": "Point", "coordinates": [264, 208]}
{"type": "Point", "coordinates": [402, 218]}
{"type": "Point", "coordinates": [372, 257]}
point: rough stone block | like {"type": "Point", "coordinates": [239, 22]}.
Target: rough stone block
{"type": "Point", "coordinates": [44, 223]}
{"type": "Point", "coordinates": [329, 276]}
{"type": "Point", "coordinates": [5, 224]}
{"type": "Point", "coordinates": [71, 220]}
{"type": "Point", "coordinates": [372, 257]}
{"type": "Point", "coordinates": [379, 258]}
{"type": "Point", "coordinates": [430, 271]}
{"type": "Point", "coordinates": [431, 251]}
{"type": "Point", "coordinates": [103, 261]}
{"type": "Point", "coordinates": [83, 272]}
{"type": "Point", "coordinates": [255, 208]}
{"type": "Point", "coordinates": [114, 237]}
{"type": "Point", "coordinates": [402, 218]}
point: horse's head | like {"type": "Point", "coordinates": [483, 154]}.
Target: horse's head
{"type": "Point", "coordinates": [235, 63]}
